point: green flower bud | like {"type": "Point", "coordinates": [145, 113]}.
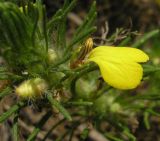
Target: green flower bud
{"type": "Point", "coordinates": [105, 104]}
{"type": "Point", "coordinates": [52, 56]}
{"type": "Point", "coordinates": [32, 88]}
{"type": "Point", "coordinates": [115, 107]}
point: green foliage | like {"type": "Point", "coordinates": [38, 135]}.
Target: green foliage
{"type": "Point", "coordinates": [57, 105]}
{"type": "Point", "coordinates": [25, 40]}
{"type": "Point", "coordinates": [15, 108]}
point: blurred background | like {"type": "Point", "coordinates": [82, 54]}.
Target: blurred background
{"type": "Point", "coordinates": [141, 15]}
{"type": "Point", "coordinates": [134, 17]}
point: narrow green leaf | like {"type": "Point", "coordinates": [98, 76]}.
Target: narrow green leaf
{"type": "Point", "coordinates": [9, 28]}
{"type": "Point", "coordinates": [79, 38]}
{"type": "Point", "coordinates": [125, 41]}
{"type": "Point", "coordinates": [5, 92]}
{"type": "Point", "coordinates": [15, 130]}
{"type": "Point", "coordinates": [33, 36]}
{"type": "Point", "coordinates": [80, 103]}
{"type": "Point", "coordinates": [151, 111]}
{"type": "Point", "coordinates": [112, 137]}
{"type": "Point", "coordinates": [61, 38]}
{"type": "Point", "coordinates": [21, 30]}
{"type": "Point", "coordinates": [60, 14]}
{"type": "Point", "coordinates": [84, 134]}
{"type": "Point", "coordinates": [3, 69]}
{"type": "Point", "coordinates": [3, 76]}
{"type": "Point", "coordinates": [58, 106]}
{"type": "Point", "coordinates": [66, 3]}
{"type": "Point", "coordinates": [146, 119]}
{"type": "Point", "coordinates": [91, 21]}
{"type": "Point", "coordinates": [89, 17]}
{"type": "Point", "coordinates": [61, 137]}
{"type": "Point", "coordinates": [38, 127]}
{"type": "Point", "coordinates": [52, 128]}
{"type": "Point", "coordinates": [12, 110]}
{"type": "Point", "coordinates": [69, 7]}
{"type": "Point", "coordinates": [150, 69]}
{"type": "Point", "coordinates": [53, 20]}
{"type": "Point", "coordinates": [129, 134]}
{"type": "Point", "coordinates": [146, 37]}
{"type": "Point", "coordinates": [45, 28]}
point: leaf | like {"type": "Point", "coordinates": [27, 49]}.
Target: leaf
{"type": "Point", "coordinates": [58, 106]}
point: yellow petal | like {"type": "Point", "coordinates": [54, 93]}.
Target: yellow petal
{"type": "Point", "coordinates": [126, 53]}
{"type": "Point", "coordinates": [125, 75]}
{"type": "Point", "coordinates": [119, 65]}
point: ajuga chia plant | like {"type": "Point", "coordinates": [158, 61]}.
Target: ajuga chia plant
{"type": "Point", "coordinates": [40, 66]}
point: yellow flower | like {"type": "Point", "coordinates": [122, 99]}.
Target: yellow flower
{"type": "Point", "coordinates": [119, 66]}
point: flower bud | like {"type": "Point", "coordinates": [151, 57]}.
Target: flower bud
{"type": "Point", "coordinates": [115, 108]}
{"type": "Point", "coordinates": [89, 44]}
{"type": "Point", "coordinates": [106, 103]}
{"type": "Point", "coordinates": [26, 7]}
{"type": "Point", "coordinates": [32, 88]}
{"type": "Point", "coordinates": [51, 55]}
